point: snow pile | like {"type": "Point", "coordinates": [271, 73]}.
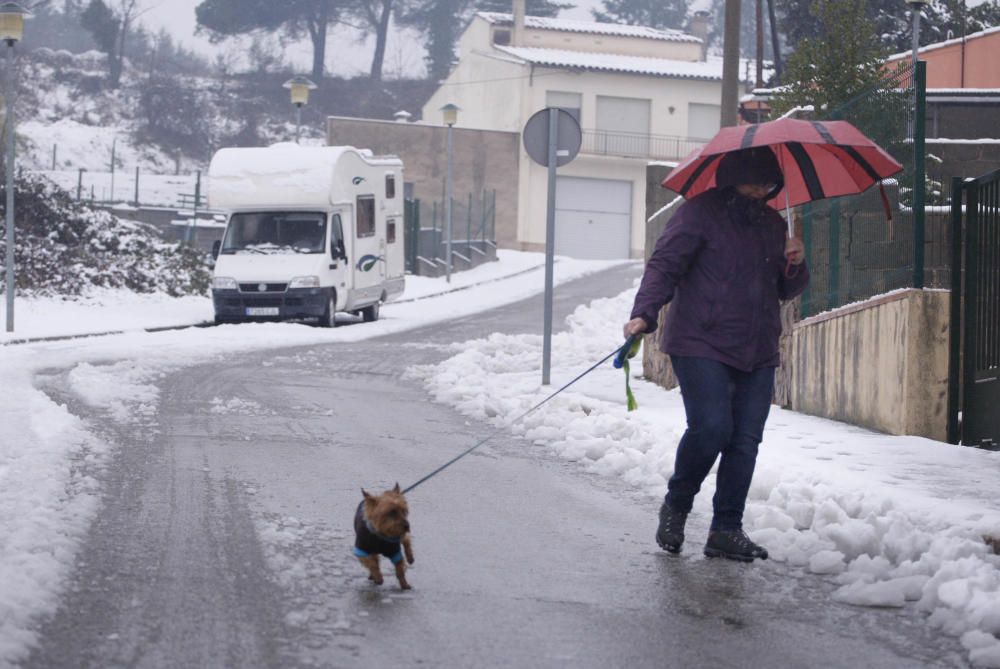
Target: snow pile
{"type": "Point", "coordinates": [47, 500]}
{"type": "Point", "coordinates": [65, 248]}
{"type": "Point", "coordinates": [894, 520]}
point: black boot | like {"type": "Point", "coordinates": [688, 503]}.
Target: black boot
{"type": "Point", "coordinates": [734, 545]}
{"type": "Point", "coordinates": [670, 533]}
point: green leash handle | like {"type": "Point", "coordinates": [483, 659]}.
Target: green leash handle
{"type": "Point", "coordinates": [628, 351]}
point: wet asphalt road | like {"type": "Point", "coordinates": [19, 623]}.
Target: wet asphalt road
{"type": "Point", "coordinates": [226, 531]}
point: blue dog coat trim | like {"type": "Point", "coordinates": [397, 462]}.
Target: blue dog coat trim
{"type": "Point", "coordinates": [394, 558]}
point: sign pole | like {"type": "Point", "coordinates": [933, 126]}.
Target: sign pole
{"type": "Point", "coordinates": [550, 243]}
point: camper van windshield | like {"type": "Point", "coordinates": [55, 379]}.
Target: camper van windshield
{"type": "Point", "coordinates": [276, 232]}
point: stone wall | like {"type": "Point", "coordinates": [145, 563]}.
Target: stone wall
{"type": "Point", "coordinates": [881, 364]}
{"type": "Point", "coordinates": [482, 160]}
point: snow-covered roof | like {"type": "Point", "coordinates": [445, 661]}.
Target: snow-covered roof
{"type": "Point", "coordinates": [940, 45]}
{"type": "Point", "coordinates": [593, 27]}
{"type": "Point", "coordinates": [609, 62]}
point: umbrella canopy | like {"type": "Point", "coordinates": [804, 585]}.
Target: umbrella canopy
{"type": "Point", "coordinates": [819, 159]}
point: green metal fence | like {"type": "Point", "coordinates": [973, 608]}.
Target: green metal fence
{"type": "Point", "coordinates": [473, 233]}
{"type": "Point", "coordinates": [855, 251]}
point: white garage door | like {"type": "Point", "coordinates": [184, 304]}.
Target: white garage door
{"type": "Point", "coordinates": [593, 217]}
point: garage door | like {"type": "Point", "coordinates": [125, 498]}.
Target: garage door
{"type": "Point", "coordinates": [593, 217]}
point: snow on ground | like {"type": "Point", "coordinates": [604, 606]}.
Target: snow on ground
{"type": "Point", "coordinates": [891, 519]}
{"type": "Point", "coordinates": [47, 499]}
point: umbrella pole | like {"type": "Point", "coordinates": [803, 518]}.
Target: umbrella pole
{"type": "Point", "coordinates": [788, 216]}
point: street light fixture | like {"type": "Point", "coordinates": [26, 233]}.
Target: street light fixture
{"type": "Point", "coordinates": [450, 115]}
{"type": "Point", "coordinates": [299, 88]}
{"type": "Point", "coordinates": [12, 16]}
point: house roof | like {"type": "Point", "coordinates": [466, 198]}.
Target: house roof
{"type": "Point", "coordinates": [566, 25]}
{"type": "Point", "coordinates": [609, 62]}
{"type": "Point", "coordinates": [940, 45]}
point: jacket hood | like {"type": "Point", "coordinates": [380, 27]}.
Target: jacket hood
{"type": "Point", "coordinates": [756, 165]}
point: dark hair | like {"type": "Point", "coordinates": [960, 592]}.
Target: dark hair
{"type": "Point", "coordinates": [757, 165]}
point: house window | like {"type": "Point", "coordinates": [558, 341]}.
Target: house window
{"type": "Point", "coordinates": [501, 36]}
{"type": "Point", "coordinates": [366, 216]}
{"type": "Point", "coordinates": [622, 126]}
{"type": "Point", "coordinates": [703, 120]}
{"type": "Point", "coordinates": [570, 102]}
{"type": "Point", "coordinates": [390, 186]}
{"type": "Point", "coordinates": [390, 231]}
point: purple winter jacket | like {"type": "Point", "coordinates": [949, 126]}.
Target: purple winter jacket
{"type": "Point", "coordinates": [720, 263]}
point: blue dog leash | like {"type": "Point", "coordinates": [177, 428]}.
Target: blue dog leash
{"type": "Point", "coordinates": [621, 356]}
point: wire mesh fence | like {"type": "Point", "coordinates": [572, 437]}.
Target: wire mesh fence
{"type": "Point", "coordinates": [857, 249]}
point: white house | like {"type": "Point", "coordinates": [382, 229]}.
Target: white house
{"type": "Point", "coordinates": [639, 94]}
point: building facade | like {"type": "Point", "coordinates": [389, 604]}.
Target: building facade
{"type": "Point", "coordinates": [639, 95]}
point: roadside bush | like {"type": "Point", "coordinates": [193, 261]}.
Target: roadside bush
{"type": "Point", "coordinates": [64, 247]}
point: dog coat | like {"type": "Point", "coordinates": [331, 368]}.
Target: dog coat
{"type": "Point", "coordinates": [367, 541]}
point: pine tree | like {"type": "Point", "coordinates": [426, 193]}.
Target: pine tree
{"type": "Point", "coordinates": [844, 59]}
{"type": "Point", "coordinates": [652, 13]}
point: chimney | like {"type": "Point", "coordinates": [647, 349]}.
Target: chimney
{"type": "Point", "coordinates": [517, 33]}
{"type": "Point", "coordinates": [402, 116]}
{"type": "Point", "coordinates": [699, 28]}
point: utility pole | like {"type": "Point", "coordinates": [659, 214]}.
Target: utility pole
{"type": "Point", "coordinates": [731, 64]}
{"type": "Point", "coordinates": [759, 80]}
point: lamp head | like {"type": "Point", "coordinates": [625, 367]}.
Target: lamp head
{"type": "Point", "coordinates": [299, 88]}
{"type": "Point", "coordinates": [916, 4]}
{"type": "Point", "coordinates": [12, 16]}
{"type": "Point", "coordinates": [450, 114]}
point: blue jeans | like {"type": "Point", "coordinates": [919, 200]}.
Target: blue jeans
{"type": "Point", "coordinates": [726, 410]}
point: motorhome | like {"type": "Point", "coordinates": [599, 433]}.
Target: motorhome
{"type": "Point", "coordinates": [311, 231]}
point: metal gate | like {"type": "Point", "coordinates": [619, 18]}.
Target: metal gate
{"type": "Point", "coordinates": [975, 330]}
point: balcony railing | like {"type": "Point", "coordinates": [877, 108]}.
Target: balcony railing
{"type": "Point", "coordinates": [638, 145]}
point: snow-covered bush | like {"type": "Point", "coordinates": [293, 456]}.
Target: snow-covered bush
{"type": "Point", "coordinates": [65, 247]}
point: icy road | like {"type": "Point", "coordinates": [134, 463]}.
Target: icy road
{"type": "Point", "coordinates": [225, 536]}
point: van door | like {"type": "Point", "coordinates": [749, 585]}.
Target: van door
{"type": "Point", "coordinates": [339, 266]}
{"type": "Point", "coordinates": [368, 262]}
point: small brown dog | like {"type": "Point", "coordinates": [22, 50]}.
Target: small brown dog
{"type": "Point", "coordinates": [382, 527]}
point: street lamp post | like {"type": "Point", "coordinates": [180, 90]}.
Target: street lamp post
{"type": "Point", "coordinates": [450, 114]}
{"type": "Point", "coordinates": [916, 6]}
{"type": "Point", "coordinates": [299, 88]}
{"type": "Point", "coordinates": [12, 17]}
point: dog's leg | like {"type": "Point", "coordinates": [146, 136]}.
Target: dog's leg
{"type": "Point", "coordinates": [374, 573]}
{"type": "Point", "coordinates": [408, 548]}
{"type": "Point", "coordinates": [401, 575]}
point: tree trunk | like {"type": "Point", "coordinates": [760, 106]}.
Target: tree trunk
{"type": "Point", "coordinates": [381, 36]}
{"type": "Point", "coordinates": [318, 34]}
{"type": "Point", "coordinates": [731, 64]}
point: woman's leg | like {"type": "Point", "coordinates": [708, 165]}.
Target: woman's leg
{"type": "Point", "coordinates": [706, 387]}
{"type": "Point", "coordinates": [751, 403]}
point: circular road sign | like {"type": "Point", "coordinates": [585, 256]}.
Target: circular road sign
{"type": "Point", "coordinates": [536, 136]}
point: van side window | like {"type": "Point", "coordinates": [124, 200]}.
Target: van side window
{"type": "Point", "coordinates": [366, 216]}
{"type": "Point", "coordinates": [390, 233]}
{"type": "Point", "coordinates": [390, 186]}
{"type": "Point", "coordinates": [336, 237]}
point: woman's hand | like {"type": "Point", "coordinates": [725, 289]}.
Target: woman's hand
{"type": "Point", "coordinates": [634, 327]}
{"type": "Point", "coordinates": [795, 251]}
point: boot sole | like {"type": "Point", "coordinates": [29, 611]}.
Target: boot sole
{"type": "Point", "coordinates": [716, 553]}
{"type": "Point", "coordinates": [670, 548]}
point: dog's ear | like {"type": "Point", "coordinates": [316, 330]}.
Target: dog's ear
{"type": "Point", "coordinates": [365, 493]}
{"type": "Point", "coordinates": [396, 489]}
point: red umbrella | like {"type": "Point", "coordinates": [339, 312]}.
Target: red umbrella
{"type": "Point", "coordinates": [819, 159]}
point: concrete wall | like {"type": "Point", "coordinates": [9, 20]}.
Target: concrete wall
{"type": "Point", "coordinates": [483, 160]}
{"type": "Point", "coordinates": [881, 364]}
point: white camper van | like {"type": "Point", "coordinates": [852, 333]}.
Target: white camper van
{"type": "Point", "coordinates": [310, 231]}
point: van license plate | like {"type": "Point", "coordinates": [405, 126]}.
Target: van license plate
{"type": "Point", "coordinates": [262, 311]}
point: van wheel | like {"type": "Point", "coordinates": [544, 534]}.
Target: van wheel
{"type": "Point", "coordinates": [370, 314]}
{"type": "Point", "coordinates": [329, 317]}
